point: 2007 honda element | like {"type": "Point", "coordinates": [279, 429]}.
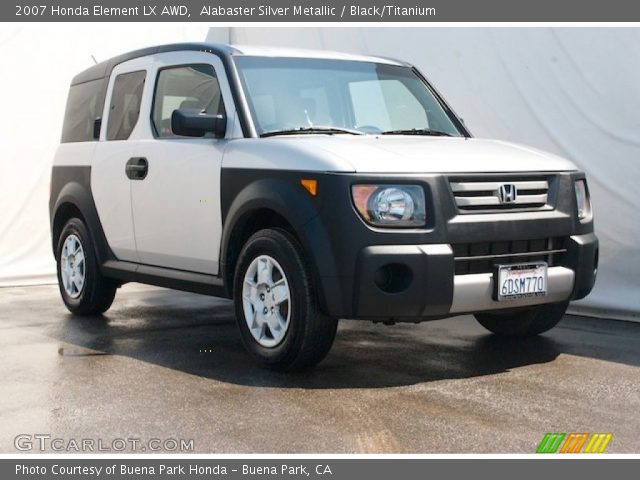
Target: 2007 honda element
{"type": "Point", "coordinates": [308, 187]}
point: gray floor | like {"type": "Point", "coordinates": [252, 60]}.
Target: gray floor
{"type": "Point", "coordinates": [446, 386]}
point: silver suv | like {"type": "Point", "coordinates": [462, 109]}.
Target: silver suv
{"type": "Point", "coordinates": [308, 187]}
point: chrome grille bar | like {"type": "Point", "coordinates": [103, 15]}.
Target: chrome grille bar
{"type": "Point", "coordinates": [493, 201]}
{"type": "Point", "coordinates": [482, 194]}
{"type": "Point", "coordinates": [508, 255]}
{"type": "Point", "coordinates": [494, 186]}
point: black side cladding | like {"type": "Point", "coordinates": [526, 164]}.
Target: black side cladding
{"type": "Point", "coordinates": [71, 190]}
{"type": "Point", "coordinates": [248, 195]}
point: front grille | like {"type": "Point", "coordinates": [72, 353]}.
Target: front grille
{"type": "Point", "coordinates": [474, 194]}
{"type": "Point", "coordinates": [482, 257]}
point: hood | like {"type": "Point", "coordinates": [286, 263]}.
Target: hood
{"type": "Point", "coordinates": [402, 154]}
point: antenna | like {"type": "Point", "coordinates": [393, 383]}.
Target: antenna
{"type": "Point", "coordinates": [94, 59]}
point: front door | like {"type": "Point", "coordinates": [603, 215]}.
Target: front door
{"type": "Point", "coordinates": [176, 206]}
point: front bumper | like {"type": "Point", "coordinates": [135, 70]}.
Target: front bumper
{"type": "Point", "coordinates": [347, 254]}
{"type": "Point", "coordinates": [426, 285]}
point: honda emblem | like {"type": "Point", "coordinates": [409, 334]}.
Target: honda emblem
{"type": "Point", "coordinates": [507, 193]}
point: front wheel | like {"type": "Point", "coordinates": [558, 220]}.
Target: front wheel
{"type": "Point", "coordinates": [524, 323]}
{"type": "Point", "coordinates": [276, 305]}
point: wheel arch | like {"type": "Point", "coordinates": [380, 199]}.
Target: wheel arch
{"type": "Point", "coordinates": [276, 203]}
{"type": "Point", "coordinates": [64, 212]}
{"type": "Point", "coordinates": [74, 200]}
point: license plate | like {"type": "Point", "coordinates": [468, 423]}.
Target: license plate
{"type": "Point", "coordinates": [521, 281]}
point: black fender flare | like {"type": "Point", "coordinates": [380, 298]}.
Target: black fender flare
{"type": "Point", "coordinates": [77, 192]}
{"type": "Point", "coordinates": [287, 198]}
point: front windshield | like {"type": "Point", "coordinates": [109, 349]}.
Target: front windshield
{"type": "Point", "coordinates": [291, 94]}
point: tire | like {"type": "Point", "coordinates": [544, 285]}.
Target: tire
{"type": "Point", "coordinates": [290, 334]}
{"type": "Point", "coordinates": [85, 291]}
{"type": "Point", "coordinates": [524, 323]}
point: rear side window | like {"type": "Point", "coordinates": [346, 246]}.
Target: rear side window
{"type": "Point", "coordinates": [125, 104]}
{"type": "Point", "coordinates": [84, 106]}
{"type": "Point", "coordinates": [186, 86]}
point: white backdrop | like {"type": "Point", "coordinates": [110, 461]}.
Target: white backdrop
{"type": "Point", "coordinates": [572, 91]}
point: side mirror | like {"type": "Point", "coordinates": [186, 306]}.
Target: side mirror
{"type": "Point", "coordinates": [193, 122]}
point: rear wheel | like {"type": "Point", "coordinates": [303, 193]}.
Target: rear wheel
{"type": "Point", "coordinates": [276, 306]}
{"type": "Point", "coordinates": [83, 289]}
{"type": "Point", "coordinates": [524, 323]}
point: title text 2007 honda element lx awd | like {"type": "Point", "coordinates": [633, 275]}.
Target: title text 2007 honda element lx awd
{"type": "Point", "coordinates": [308, 187]}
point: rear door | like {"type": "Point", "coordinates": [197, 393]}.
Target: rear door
{"type": "Point", "coordinates": [110, 182]}
{"type": "Point", "coordinates": [176, 206]}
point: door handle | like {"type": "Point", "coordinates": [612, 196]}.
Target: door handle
{"type": "Point", "coordinates": [137, 168]}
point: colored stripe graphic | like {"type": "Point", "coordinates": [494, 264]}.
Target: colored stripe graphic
{"type": "Point", "coordinates": [550, 443]}
{"type": "Point", "coordinates": [574, 442]}
{"type": "Point", "coordinates": [598, 443]}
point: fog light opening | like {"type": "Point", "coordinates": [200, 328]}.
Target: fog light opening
{"type": "Point", "coordinates": [393, 278]}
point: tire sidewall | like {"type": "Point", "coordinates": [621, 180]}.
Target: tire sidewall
{"type": "Point", "coordinates": [284, 252]}
{"type": "Point", "coordinates": [77, 228]}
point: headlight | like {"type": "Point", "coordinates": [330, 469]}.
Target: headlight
{"type": "Point", "coordinates": [390, 205]}
{"type": "Point", "coordinates": [582, 201]}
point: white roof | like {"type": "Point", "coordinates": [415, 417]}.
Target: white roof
{"type": "Point", "coordinates": [264, 51]}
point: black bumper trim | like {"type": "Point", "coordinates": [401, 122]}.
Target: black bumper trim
{"type": "Point", "coordinates": [582, 257]}
{"type": "Point", "coordinates": [430, 292]}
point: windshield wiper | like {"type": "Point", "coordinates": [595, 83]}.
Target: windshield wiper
{"type": "Point", "coordinates": [417, 131]}
{"type": "Point", "coordinates": [311, 130]}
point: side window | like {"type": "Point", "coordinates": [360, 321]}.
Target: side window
{"type": "Point", "coordinates": [186, 86]}
{"type": "Point", "coordinates": [125, 104]}
{"type": "Point", "coordinates": [84, 106]}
